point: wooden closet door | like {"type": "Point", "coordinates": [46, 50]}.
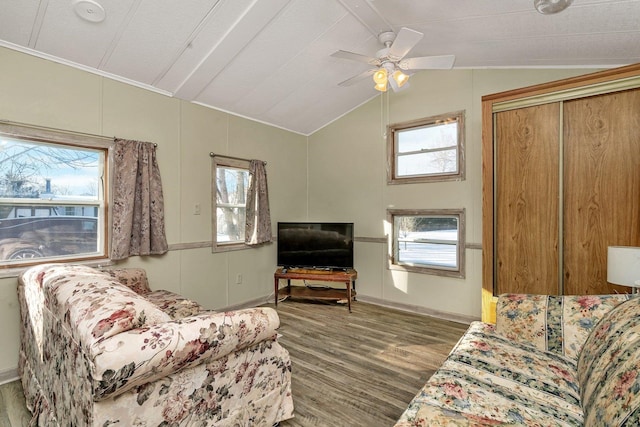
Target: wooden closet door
{"type": "Point", "coordinates": [526, 200]}
{"type": "Point", "coordinates": [601, 186]}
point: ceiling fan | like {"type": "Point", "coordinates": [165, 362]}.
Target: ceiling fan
{"type": "Point", "coordinates": [391, 66]}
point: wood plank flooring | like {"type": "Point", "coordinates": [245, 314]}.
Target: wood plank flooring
{"type": "Point", "coordinates": [349, 370]}
{"type": "Point", "coordinates": [13, 412]}
{"type": "Point", "coordinates": [359, 369]}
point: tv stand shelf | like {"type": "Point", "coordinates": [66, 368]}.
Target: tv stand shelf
{"type": "Point", "coordinates": [348, 277]}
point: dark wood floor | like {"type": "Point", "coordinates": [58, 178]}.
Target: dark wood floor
{"type": "Point", "coordinates": [349, 370]}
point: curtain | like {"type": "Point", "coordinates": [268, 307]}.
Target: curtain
{"type": "Point", "coordinates": [138, 203]}
{"type": "Point", "coordinates": [258, 226]}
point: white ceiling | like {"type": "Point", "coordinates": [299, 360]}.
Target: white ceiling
{"type": "Point", "coordinates": [269, 60]}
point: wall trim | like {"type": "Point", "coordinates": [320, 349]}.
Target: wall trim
{"type": "Point", "coordinates": [9, 375]}
{"type": "Point", "coordinates": [361, 239]}
{"type": "Point", "coordinates": [189, 245]}
{"type": "Point", "coordinates": [453, 317]}
{"type": "Point", "coordinates": [458, 318]}
{"type": "Point", "coordinates": [248, 304]}
{"type": "Point", "coordinates": [370, 239]}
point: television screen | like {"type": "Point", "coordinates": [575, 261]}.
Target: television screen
{"type": "Point", "coordinates": [315, 245]}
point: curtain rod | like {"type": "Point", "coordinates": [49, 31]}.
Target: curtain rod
{"type": "Point", "coordinates": [62, 131]}
{"type": "Point", "coordinates": [57, 130]}
{"type": "Point", "coordinates": [212, 154]}
{"type": "Point", "coordinates": [155, 145]}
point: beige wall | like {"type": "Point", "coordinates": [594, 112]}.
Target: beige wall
{"type": "Point", "coordinates": [43, 93]}
{"type": "Point", "coordinates": [347, 182]}
{"type": "Point", "coordinates": [336, 174]}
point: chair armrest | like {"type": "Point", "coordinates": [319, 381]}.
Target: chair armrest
{"type": "Point", "coordinates": [146, 354]}
{"type": "Point", "coordinates": [554, 323]}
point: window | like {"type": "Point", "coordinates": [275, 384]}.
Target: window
{"type": "Point", "coordinates": [427, 241]}
{"type": "Point", "coordinates": [430, 149]}
{"type": "Point", "coordinates": [230, 184]}
{"type": "Point", "coordinates": [52, 196]}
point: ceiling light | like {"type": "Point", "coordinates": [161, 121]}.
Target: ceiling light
{"type": "Point", "coordinates": [400, 78]}
{"type": "Point", "coordinates": [380, 78]}
{"type": "Point", "coordinates": [547, 7]}
{"type": "Point", "coordinates": [89, 10]}
{"type": "Point", "coordinates": [381, 87]}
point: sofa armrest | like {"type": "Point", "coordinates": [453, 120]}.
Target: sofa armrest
{"type": "Point", "coordinates": [146, 354]}
{"type": "Point", "coordinates": [552, 322]}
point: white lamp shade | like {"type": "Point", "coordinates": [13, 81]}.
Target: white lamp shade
{"type": "Point", "coordinates": [623, 265]}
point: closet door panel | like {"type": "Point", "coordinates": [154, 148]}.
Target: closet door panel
{"type": "Point", "coordinates": [602, 186]}
{"type": "Point", "coordinates": [526, 200]}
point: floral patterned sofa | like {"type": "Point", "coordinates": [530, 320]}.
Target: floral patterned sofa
{"type": "Point", "coordinates": [99, 348]}
{"type": "Point", "coordinates": [548, 361]}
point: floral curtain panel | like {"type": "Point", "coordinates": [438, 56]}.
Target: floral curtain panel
{"type": "Point", "coordinates": [258, 226]}
{"type": "Point", "coordinates": [138, 203]}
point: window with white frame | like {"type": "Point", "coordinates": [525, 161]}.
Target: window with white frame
{"type": "Point", "coordinates": [52, 196]}
{"type": "Point", "coordinates": [427, 241]}
{"type": "Point", "coordinates": [230, 185]}
{"type": "Point", "coordinates": [425, 150]}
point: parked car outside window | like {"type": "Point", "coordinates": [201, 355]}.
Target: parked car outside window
{"type": "Point", "coordinates": [53, 192]}
{"type": "Point", "coordinates": [25, 238]}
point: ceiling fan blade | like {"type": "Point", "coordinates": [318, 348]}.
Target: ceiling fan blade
{"type": "Point", "coordinates": [356, 57]}
{"type": "Point", "coordinates": [404, 42]}
{"type": "Point", "coordinates": [357, 78]}
{"type": "Point", "coordinates": [441, 62]}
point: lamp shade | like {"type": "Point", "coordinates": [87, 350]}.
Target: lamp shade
{"type": "Point", "coordinates": [381, 87]}
{"type": "Point", "coordinates": [380, 76]}
{"type": "Point", "coordinates": [623, 265]}
{"type": "Point", "coordinates": [400, 78]}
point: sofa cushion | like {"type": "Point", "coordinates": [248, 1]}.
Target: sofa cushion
{"type": "Point", "coordinates": [489, 379]}
{"type": "Point", "coordinates": [174, 305]}
{"type": "Point", "coordinates": [94, 305]}
{"type": "Point", "coordinates": [553, 322]}
{"type": "Point", "coordinates": [609, 368]}
{"type": "Point", "coordinates": [134, 278]}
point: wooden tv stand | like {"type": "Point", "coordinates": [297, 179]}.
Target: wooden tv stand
{"type": "Point", "coordinates": [348, 277]}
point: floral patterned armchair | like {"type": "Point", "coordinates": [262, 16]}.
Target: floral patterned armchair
{"type": "Point", "coordinates": [548, 361]}
{"type": "Point", "coordinates": [101, 348]}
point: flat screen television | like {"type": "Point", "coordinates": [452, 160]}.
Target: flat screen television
{"type": "Point", "coordinates": [320, 245]}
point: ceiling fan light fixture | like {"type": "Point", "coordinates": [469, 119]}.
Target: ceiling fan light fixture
{"type": "Point", "coordinates": [400, 78]}
{"type": "Point", "coordinates": [548, 7]}
{"type": "Point", "coordinates": [380, 76]}
{"type": "Point", "coordinates": [390, 67]}
{"type": "Point", "coordinates": [381, 87]}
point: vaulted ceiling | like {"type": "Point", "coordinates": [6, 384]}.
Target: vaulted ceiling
{"type": "Point", "coordinates": [270, 60]}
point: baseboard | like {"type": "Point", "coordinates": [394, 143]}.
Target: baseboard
{"type": "Point", "coordinates": [247, 304]}
{"type": "Point", "coordinates": [458, 318]}
{"type": "Point", "coordinates": [9, 375]}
